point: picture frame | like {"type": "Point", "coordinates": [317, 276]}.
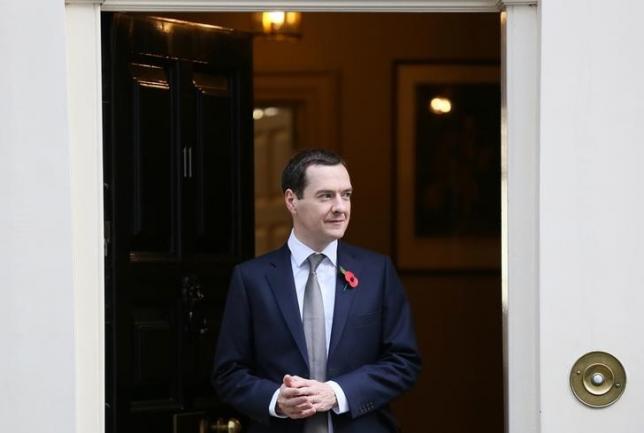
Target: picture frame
{"type": "Point", "coordinates": [447, 193]}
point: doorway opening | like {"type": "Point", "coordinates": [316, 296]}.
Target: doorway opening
{"type": "Point", "coordinates": [337, 87]}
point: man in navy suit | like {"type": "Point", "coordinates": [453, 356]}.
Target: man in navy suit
{"type": "Point", "coordinates": [362, 332]}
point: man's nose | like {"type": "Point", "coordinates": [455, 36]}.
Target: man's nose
{"type": "Point", "coordinates": [339, 204]}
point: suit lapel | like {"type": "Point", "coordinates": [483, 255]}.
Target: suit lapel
{"type": "Point", "coordinates": [280, 279]}
{"type": "Point", "coordinates": [344, 295]}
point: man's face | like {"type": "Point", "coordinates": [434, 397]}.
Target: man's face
{"type": "Point", "coordinates": [322, 214]}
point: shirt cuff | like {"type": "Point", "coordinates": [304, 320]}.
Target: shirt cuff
{"type": "Point", "coordinates": [342, 405]}
{"type": "Point", "coordinates": [273, 403]}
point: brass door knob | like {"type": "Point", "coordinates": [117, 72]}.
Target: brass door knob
{"type": "Point", "coordinates": [220, 426]}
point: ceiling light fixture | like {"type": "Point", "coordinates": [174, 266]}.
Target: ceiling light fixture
{"type": "Point", "coordinates": [279, 25]}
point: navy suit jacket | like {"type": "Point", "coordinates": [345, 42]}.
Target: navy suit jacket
{"type": "Point", "coordinates": [372, 354]}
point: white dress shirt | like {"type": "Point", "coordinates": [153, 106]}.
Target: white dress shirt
{"type": "Point", "coordinates": [326, 274]}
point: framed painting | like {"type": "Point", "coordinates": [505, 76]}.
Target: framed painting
{"type": "Point", "coordinates": [447, 166]}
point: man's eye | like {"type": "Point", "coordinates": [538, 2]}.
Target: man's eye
{"type": "Point", "coordinates": [346, 195]}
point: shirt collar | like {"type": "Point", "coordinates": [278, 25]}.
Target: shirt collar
{"type": "Point", "coordinates": [301, 252]}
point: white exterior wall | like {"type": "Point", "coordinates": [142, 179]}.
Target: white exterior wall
{"type": "Point", "coordinates": [37, 366]}
{"type": "Point", "coordinates": [591, 205]}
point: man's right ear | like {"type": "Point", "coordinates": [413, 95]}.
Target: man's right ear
{"type": "Point", "coordinates": [290, 199]}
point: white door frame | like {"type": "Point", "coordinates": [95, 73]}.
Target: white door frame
{"type": "Point", "coordinates": [520, 183]}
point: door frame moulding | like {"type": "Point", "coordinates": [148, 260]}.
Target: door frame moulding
{"type": "Point", "coordinates": [309, 5]}
{"type": "Point", "coordinates": [520, 183]}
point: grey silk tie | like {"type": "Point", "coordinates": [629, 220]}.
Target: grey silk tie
{"type": "Point", "coordinates": [315, 334]}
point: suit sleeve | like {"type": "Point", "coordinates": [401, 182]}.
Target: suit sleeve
{"type": "Point", "coordinates": [375, 385]}
{"type": "Point", "coordinates": [233, 373]}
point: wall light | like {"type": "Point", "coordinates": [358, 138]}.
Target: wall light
{"type": "Point", "coordinates": [440, 105]}
{"type": "Point", "coordinates": [278, 24]}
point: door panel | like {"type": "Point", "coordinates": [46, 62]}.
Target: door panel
{"type": "Point", "coordinates": [151, 159]}
{"type": "Point", "coordinates": [213, 114]}
{"type": "Point", "coordinates": [178, 146]}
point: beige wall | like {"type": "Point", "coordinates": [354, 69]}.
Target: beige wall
{"type": "Point", "coordinates": [458, 325]}
{"type": "Point", "coordinates": [361, 48]}
{"type": "Point", "coordinates": [458, 315]}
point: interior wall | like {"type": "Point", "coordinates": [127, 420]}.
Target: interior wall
{"type": "Point", "coordinates": [458, 315]}
{"type": "Point", "coordinates": [361, 47]}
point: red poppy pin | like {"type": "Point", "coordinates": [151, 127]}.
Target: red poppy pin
{"type": "Point", "coordinates": [350, 278]}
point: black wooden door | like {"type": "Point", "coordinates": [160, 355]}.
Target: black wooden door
{"type": "Point", "coordinates": [179, 212]}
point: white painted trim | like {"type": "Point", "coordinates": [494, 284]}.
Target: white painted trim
{"type": "Point", "coordinates": [304, 5]}
{"type": "Point", "coordinates": [84, 2]}
{"type": "Point", "coordinates": [520, 237]}
{"type": "Point", "coordinates": [82, 22]}
{"type": "Point", "coordinates": [520, 201]}
{"type": "Point", "coordinates": [504, 3]}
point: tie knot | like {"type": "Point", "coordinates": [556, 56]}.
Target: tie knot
{"type": "Point", "coordinates": [314, 261]}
